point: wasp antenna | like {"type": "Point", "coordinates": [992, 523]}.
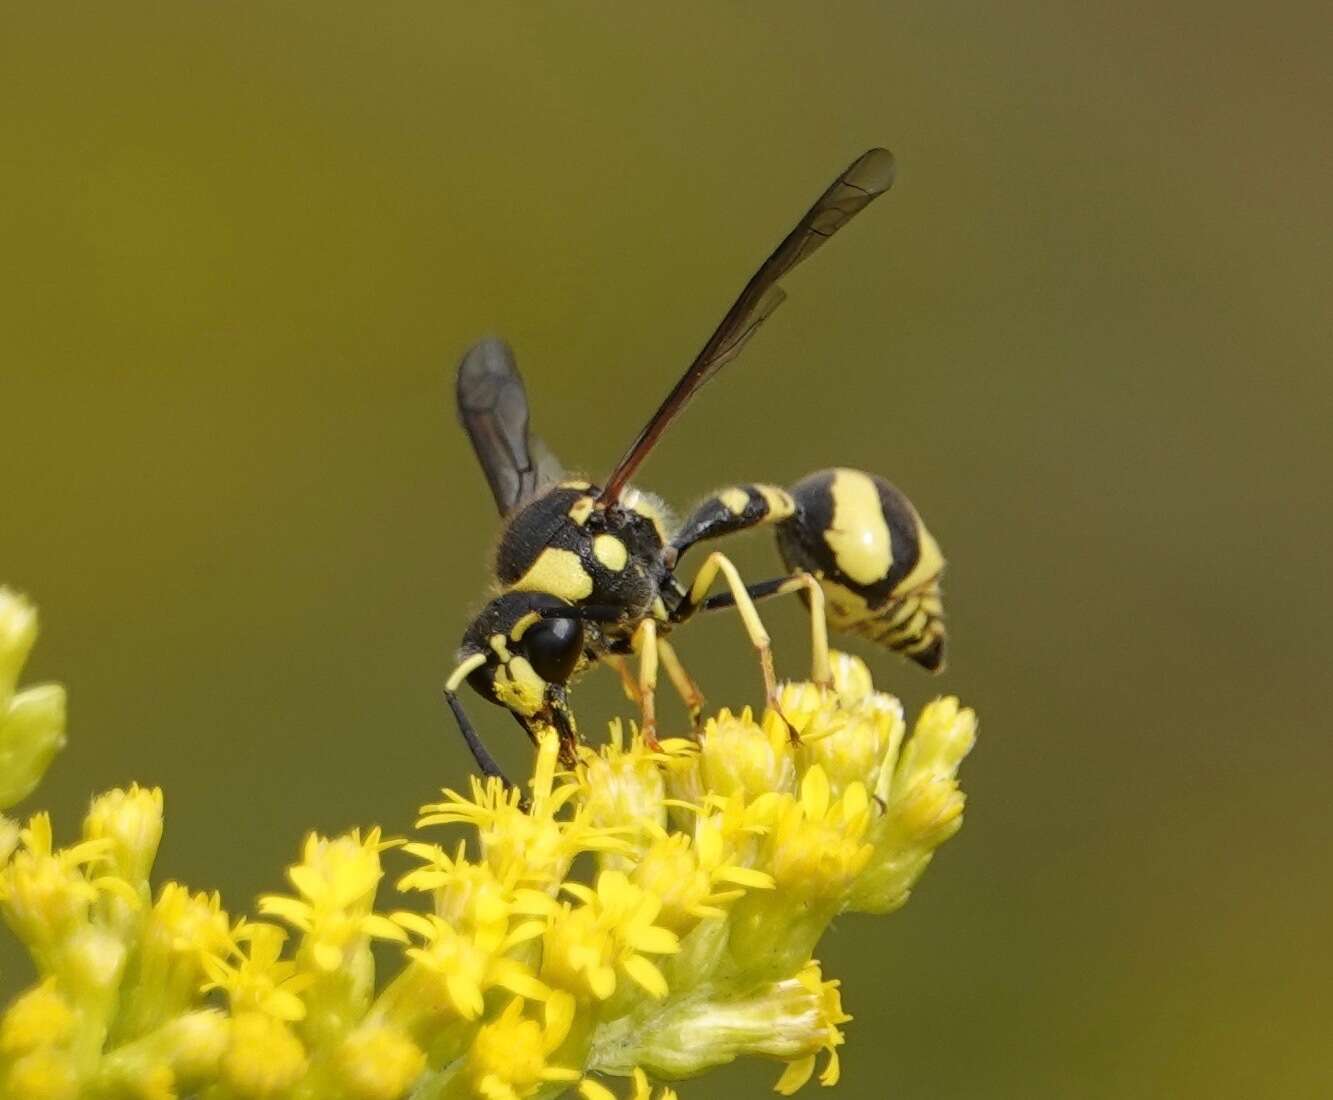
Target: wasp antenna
{"type": "Point", "coordinates": [485, 761]}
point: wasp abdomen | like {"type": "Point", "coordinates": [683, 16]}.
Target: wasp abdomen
{"type": "Point", "coordinates": [878, 564]}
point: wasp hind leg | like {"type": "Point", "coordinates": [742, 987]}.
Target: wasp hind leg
{"type": "Point", "coordinates": [713, 565]}
{"type": "Point", "coordinates": [821, 666]}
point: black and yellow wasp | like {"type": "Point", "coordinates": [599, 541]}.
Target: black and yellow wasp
{"type": "Point", "coordinates": [588, 573]}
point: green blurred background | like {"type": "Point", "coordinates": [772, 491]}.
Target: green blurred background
{"type": "Point", "coordinates": [1088, 333]}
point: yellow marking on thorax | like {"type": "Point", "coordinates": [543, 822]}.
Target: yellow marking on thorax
{"type": "Point", "coordinates": [500, 646]}
{"type": "Point", "coordinates": [734, 500]}
{"type": "Point", "coordinates": [610, 551]}
{"type": "Point", "coordinates": [780, 503]}
{"type": "Point", "coordinates": [858, 535]}
{"type": "Point", "coordinates": [574, 483]}
{"type": "Point", "coordinates": [519, 688]}
{"type": "Point", "coordinates": [659, 610]}
{"type": "Point", "coordinates": [929, 563]}
{"type": "Point", "coordinates": [558, 572]}
{"type": "Point", "coordinates": [581, 509]}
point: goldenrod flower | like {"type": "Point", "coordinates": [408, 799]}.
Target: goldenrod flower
{"type": "Point", "coordinates": [181, 932]}
{"type": "Point", "coordinates": [532, 845]}
{"type": "Point", "coordinates": [259, 980]}
{"type": "Point", "coordinates": [624, 794]}
{"type": "Point", "coordinates": [510, 1057]}
{"type": "Point", "coordinates": [611, 932]}
{"type": "Point", "coordinates": [716, 867]}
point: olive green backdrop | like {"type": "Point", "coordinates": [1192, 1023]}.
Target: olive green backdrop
{"type": "Point", "coordinates": [1088, 333]}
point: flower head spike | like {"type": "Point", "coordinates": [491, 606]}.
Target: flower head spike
{"type": "Point", "coordinates": [596, 929]}
{"type": "Point", "coordinates": [817, 844]}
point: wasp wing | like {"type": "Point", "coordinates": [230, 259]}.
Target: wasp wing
{"type": "Point", "coordinates": [493, 408]}
{"type": "Point", "coordinates": [867, 177]}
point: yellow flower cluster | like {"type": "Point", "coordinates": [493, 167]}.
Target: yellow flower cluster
{"type": "Point", "coordinates": [713, 866]}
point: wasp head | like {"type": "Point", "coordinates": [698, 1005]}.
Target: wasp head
{"type": "Point", "coordinates": [523, 652]}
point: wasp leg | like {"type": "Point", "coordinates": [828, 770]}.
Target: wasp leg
{"type": "Point", "coordinates": [822, 670]}
{"type": "Point", "coordinates": [628, 683]}
{"type": "Point", "coordinates": [717, 563]}
{"type": "Point", "coordinates": [727, 511]}
{"type": "Point", "coordinates": [681, 680]}
{"type": "Point", "coordinates": [646, 646]}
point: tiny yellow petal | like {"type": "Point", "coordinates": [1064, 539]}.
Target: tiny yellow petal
{"type": "Point", "coordinates": [795, 1075]}
{"type": "Point", "coordinates": [647, 975]}
{"type": "Point", "coordinates": [591, 1090]}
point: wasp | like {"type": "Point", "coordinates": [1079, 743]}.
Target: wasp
{"type": "Point", "coordinates": [592, 573]}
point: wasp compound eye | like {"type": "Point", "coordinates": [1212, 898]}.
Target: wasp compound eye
{"type": "Point", "coordinates": [552, 647]}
